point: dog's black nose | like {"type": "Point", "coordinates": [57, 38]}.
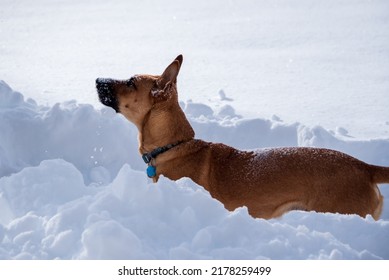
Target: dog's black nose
{"type": "Point", "coordinates": [104, 81]}
{"type": "Point", "coordinates": [104, 86]}
{"type": "Point", "coordinates": [106, 93]}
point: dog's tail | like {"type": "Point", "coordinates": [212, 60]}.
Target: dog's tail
{"type": "Point", "coordinates": [380, 174]}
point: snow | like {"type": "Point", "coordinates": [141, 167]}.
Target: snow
{"type": "Point", "coordinates": [73, 187]}
{"type": "Point", "coordinates": [72, 184]}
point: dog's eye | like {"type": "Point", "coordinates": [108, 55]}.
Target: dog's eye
{"type": "Point", "coordinates": [131, 83]}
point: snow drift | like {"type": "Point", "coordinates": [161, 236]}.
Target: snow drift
{"type": "Point", "coordinates": [73, 186]}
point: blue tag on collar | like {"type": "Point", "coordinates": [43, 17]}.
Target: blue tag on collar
{"type": "Point", "coordinates": [151, 171]}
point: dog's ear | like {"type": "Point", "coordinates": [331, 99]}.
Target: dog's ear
{"type": "Point", "coordinates": [171, 72]}
{"type": "Point", "coordinates": [179, 58]}
{"type": "Point", "coordinates": [168, 77]}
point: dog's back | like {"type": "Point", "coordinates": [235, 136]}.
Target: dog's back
{"type": "Point", "coordinates": [271, 182]}
{"type": "Point", "coordinates": [285, 179]}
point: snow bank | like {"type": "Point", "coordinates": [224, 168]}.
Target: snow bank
{"type": "Point", "coordinates": [72, 186]}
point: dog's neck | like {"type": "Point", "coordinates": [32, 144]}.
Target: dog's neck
{"type": "Point", "coordinates": [165, 124]}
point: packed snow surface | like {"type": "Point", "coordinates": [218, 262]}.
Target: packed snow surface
{"type": "Point", "coordinates": [256, 74]}
{"type": "Point", "coordinates": [73, 186]}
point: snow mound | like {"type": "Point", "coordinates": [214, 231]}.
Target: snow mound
{"type": "Point", "coordinates": [73, 186]}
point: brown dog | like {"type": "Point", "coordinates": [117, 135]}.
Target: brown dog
{"type": "Point", "coordinates": [269, 182]}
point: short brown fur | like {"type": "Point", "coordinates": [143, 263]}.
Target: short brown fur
{"type": "Point", "coordinates": [269, 182]}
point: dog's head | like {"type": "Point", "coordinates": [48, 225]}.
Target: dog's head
{"type": "Point", "coordinates": [135, 97]}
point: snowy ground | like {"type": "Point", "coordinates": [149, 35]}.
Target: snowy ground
{"type": "Point", "coordinates": [72, 184]}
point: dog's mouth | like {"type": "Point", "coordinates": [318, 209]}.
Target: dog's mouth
{"type": "Point", "coordinates": [106, 93]}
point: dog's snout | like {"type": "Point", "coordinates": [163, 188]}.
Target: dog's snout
{"type": "Point", "coordinates": [103, 84]}
{"type": "Point", "coordinates": [106, 93]}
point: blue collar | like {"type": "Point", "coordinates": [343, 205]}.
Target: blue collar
{"type": "Point", "coordinates": [148, 157]}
